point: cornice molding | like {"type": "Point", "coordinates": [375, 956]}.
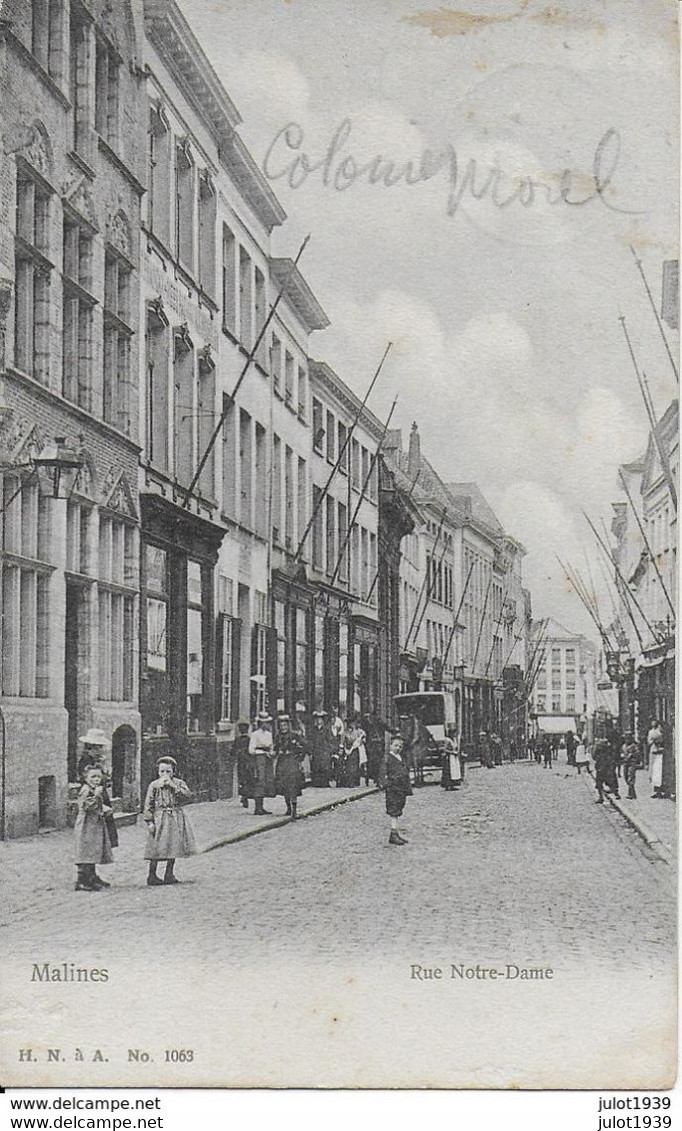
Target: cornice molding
{"type": "Point", "coordinates": [178, 47]}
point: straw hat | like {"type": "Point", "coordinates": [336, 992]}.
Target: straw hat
{"type": "Point", "coordinates": [94, 737]}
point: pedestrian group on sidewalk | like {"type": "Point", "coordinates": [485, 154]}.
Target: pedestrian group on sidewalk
{"type": "Point", "coordinates": [333, 750]}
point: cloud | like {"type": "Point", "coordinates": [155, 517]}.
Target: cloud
{"type": "Point", "coordinates": [269, 87]}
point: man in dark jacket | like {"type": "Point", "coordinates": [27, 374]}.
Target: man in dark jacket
{"type": "Point", "coordinates": [605, 770]}
{"type": "Point", "coordinates": [395, 779]}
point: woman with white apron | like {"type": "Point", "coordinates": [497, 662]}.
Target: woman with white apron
{"type": "Point", "coordinates": [452, 765]}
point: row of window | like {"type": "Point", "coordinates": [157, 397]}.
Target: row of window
{"type": "Point", "coordinates": [330, 440]}
{"type": "Point", "coordinates": [437, 642]}
{"type": "Point", "coordinates": [179, 401]}
{"type": "Point", "coordinates": [181, 202]}
{"type": "Point", "coordinates": [350, 558]}
{"type": "Point", "coordinates": [569, 679]}
{"type": "Point", "coordinates": [559, 704]}
{"type": "Point", "coordinates": [33, 272]}
{"type": "Point", "coordinates": [439, 582]}
{"type": "Point", "coordinates": [26, 591]}
{"type": "Point", "coordinates": [95, 97]}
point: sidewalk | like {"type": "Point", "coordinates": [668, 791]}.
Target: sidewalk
{"type": "Point", "coordinates": [655, 819]}
{"type": "Point", "coordinates": [44, 862]}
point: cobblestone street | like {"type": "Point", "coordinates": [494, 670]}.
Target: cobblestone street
{"type": "Point", "coordinates": [519, 867]}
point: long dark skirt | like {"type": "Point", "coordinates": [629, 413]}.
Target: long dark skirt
{"type": "Point", "coordinates": [348, 769]}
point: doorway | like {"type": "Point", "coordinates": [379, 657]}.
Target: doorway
{"type": "Point", "coordinates": [123, 751]}
{"type": "Point", "coordinates": [76, 667]}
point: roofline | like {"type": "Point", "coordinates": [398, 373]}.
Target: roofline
{"type": "Point", "coordinates": [299, 294]}
{"type": "Point", "coordinates": [251, 182]}
{"type": "Point", "coordinates": [323, 372]}
{"type": "Point", "coordinates": [168, 30]}
{"type": "Point", "coordinates": [176, 44]}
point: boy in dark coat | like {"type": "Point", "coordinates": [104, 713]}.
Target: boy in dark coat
{"type": "Point", "coordinates": [244, 763]}
{"type": "Point", "coordinates": [289, 779]}
{"type": "Point", "coordinates": [605, 770]}
{"type": "Point", "coordinates": [395, 779]}
{"type": "Point", "coordinates": [631, 764]}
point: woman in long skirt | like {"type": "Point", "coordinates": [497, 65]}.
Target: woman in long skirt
{"type": "Point", "coordinates": [452, 766]}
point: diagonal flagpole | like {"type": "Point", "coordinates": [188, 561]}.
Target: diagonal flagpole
{"type": "Point", "coordinates": [620, 576]}
{"type": "Point", "coordinates": [375, 458]}
{"type": "Point", "coordinates": [247, 365]}
{"type": "Point", "coordinates": [339, 458]}
{"type": "Point", "coordinates": [648, 404]}
{"type": "Point", "coordinates": [497, 629]}
{"type": "Point", "coordinates": [455, 622]}
{"type": "Point", "coordinates": [646, 542]}
{"type": "Point", "coordinates": [429, 590]}
{"type": "Point", "coordinates": [480, 627]}
{"type": "Point", "coordinates": [372, 587]}
{"type": "Point", "coordinates": [424, 583]}
{"type": "Point", "coordinates": [638, 261]}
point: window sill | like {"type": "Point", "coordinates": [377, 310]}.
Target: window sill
{"type": "Point", "coordinates": [82, 163]}
{"type": "Point", "coordinates": [50, 394]}
{"type": "Point", "coordinates": [38, 69]}
{"type": "Point", "coordinates": [112, 321]}
{"type": "Point", "coordinates": [105, 147]}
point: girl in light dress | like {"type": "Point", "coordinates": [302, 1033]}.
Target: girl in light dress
{"type": "Point", "coordinates": [93, 845]}
{"type": "Point", "coordinates": [170, 833]}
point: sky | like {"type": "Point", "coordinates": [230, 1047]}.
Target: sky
{"type": "Point", "coordinates": [503, 311]}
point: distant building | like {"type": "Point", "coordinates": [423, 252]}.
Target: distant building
{"type": "Point", "coordinates": [463, 608]}
{"type": "Point", "coordinates": [565, 693]}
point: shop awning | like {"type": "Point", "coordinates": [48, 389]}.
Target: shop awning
{"type": "Point", "coordinates": [556, 724]}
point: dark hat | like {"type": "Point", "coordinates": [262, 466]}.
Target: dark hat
{"type": "Point", "coordinates": [243, 724]}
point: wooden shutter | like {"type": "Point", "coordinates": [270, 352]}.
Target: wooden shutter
{"type": "Point", "coordinates": [236, 656]}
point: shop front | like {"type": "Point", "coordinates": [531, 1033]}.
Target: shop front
{"type": "Point", "coordinates": [178, 644]}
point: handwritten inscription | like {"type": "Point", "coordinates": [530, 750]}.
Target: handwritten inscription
{"type": "Point", "coordinates": [287, 158]}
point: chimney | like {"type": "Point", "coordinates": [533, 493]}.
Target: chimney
{"type": "Point", "coordinates": [414, 458]}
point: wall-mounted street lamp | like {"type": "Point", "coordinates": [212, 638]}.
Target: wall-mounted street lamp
{"type": "Point", "coordinates": [57, 468]}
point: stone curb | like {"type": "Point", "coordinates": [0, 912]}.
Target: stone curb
{"type": "Point", "coordinates": [279, 822]}
{"type": "Point", "coordinates": [654, 842]}
{"type": "Point", "coordinates": [650, 839]}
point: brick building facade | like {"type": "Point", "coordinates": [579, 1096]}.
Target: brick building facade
{"type": "Point", "coordinates": [70, 194]}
